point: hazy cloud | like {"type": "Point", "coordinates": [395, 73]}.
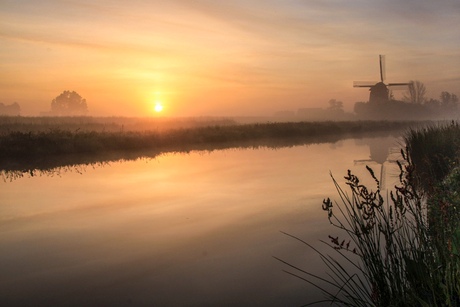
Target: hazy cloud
{"type": "Point", "coordinates": [291, 44]}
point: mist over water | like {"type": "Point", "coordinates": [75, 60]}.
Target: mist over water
{"type": "Point", "coordinates": [191, 229]}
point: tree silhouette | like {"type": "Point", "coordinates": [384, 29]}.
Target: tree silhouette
{"type": "Point", "coordinates": [449, 100]}
{"type": "Point", "coordinates": [336, 106]}
{"type": "Point", "coordinates": [69, 103]}
{"type": "Point", "coordinates": [416, 93]}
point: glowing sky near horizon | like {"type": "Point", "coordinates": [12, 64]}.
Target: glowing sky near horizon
{"type": "Point", "coordinates": [223, 58]}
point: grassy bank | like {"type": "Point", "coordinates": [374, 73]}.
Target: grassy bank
{"type": "Point", "coordinates": [16, 143]}
{"type": "Point", "coordinates": [434, 151]}
{"type": "Point", "coordinates": [31, 145]}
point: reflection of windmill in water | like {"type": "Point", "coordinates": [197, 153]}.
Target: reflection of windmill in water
{"type": "Point", "coordinates": [379, 91]}
{"type": "Point", "coordinates": [383, 152]}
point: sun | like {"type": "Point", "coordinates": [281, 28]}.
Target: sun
{"type": "Point", "coordinates": [158, 107]}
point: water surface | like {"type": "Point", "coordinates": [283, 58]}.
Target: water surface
{"type": "Point", "coordinates": [191, 229]}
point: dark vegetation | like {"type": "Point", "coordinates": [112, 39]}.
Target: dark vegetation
{"type": "Point", "coordinates": [435, 150]}
{"type": "Point", "coordinates": [403, 249]}
{"type": "Point", "coordinates": [43, 143]}
{"type": "Point", "coordinates": [69, 103]}
{"type": "Point", "coordinates": [414, 106]}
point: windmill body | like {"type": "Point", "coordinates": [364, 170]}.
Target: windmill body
{"type": "Point", "coordinates": [379, 91]}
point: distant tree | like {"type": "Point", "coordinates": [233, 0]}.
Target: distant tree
{"type": "Point", "coordinates": [432, 103]}
{"type": "Point", "coordinates": [69, 103]}
{"type": "Point", "coordinates": [416, 93]}
{"type": "Point", "coordinates": [449, 100]}
{"type": "Point", "coordinates": [336, 106]}
{"type": "Point", "coordinates": [10, 110]}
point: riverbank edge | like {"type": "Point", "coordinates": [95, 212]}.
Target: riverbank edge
{"type": "Point", "coordinates": [26, 151]}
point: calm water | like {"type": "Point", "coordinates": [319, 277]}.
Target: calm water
{"type": "Point", "coordinates": [191, 229]}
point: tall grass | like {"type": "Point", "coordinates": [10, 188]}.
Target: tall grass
{"type": "Point", "coordinates": [403, 250]}
{"type": "Point", "coordinates": [434, 151]}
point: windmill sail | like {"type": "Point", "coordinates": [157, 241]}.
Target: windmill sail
{"type": "Point", "coordinates": [382, 68]}
{"type": "Point", "coordinates": [399, 84]}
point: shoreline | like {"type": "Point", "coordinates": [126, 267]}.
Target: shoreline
{"type": "Point", "coordinates": [46, 150]}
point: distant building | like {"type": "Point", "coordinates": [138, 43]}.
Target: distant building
{"type": "Point", "coordinates": [285, 113]}
{"type": "Point", "coordinates": [312, 113]}
{"type": "Point", "coordinates": [319, 114]}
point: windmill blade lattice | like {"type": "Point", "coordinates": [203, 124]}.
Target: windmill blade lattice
{"type": "Point", "coordinates": [399, 84]}
{"type": "Point", "coordinates": [364, 83]}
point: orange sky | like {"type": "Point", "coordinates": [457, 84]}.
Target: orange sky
{"type": "Point", "coordinates": [222, 58]}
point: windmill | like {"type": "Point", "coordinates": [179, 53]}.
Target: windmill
{"type": "Point", "coordinates": [379, 90]}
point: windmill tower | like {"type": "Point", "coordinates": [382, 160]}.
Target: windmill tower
{"type": "Point", "coordinates": [379, 91]}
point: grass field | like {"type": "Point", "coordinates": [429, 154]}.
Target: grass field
{"type": "Point", "coordinates": [105, 124]}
